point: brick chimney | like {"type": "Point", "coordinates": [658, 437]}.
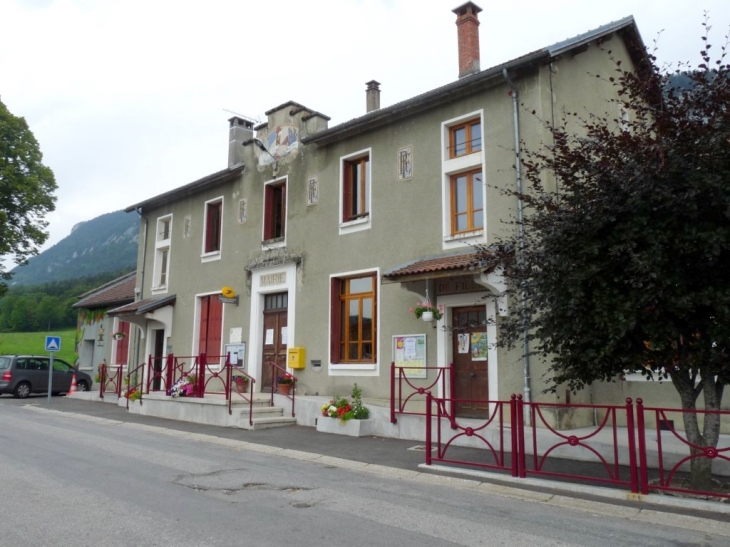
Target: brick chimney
{"type": "Point", "coordinates": [239, 131]}
{"type": "Point", "coordinates": [467, 26]}
{"type": "Point", "coordinates": [372, 96]}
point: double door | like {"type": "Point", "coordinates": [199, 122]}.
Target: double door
{"type": "Point", "coordinates": [276, 336]}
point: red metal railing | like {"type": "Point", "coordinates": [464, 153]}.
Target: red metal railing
{"type": "Point", "coordinates": [230, 388]}
{"type": "Point", "coordinates": [135, 381]}
{"type": "Point", "coordinates": [110, 379]}
{"type": "Point", "coordinates": [162, 378]}
{"type": "Point", "coordinates": [209, 369]}
{"type": "Point", "coordinates": [488, 427]}
{"type": "Point", "coordinates": [662, 425]}
{"type": "Point", "coordinates": [177, 368]}
{"type": "Point", "coordinates": [403, 391]}
{"type": "Point", "coordinates": [536, 448]}
{"type": "Point", "coordinates": [277, 371]}
{"type": "Point", "coordinates": [567, 443]}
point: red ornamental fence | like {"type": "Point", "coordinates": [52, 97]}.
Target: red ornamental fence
{"type": "Point", "coordinates": [403, 390]}
{"type": "Point", "coordinates": [534, 448]}
{"type": "Point", "coordinates": [110, 380]}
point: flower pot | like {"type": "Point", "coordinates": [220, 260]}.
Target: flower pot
{"type": "Point", "coordinates": [351, 428]}
{"type": "Point", "coordinates": [240, 387]}
{"type": "Point", "coordinates": [427, 316]}
{"type": "Point", "coordinates": [284, 389]}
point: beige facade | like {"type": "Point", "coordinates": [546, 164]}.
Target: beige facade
{"type": "Point", "coordinates": [299, 234]}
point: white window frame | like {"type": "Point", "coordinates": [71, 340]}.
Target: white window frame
{"type": "Point", "coordinates": [359, 224]}
{"type": "Point", "coordinates": [213, 255]}
{"type": "Point", "coordinates": [356, 369]}
{"type": "Point", "coordinates": [454, 166]}
{"type": "Point", "coordinates": [162, 245]}
{"type": "Point", "coordinates": [276, 244]}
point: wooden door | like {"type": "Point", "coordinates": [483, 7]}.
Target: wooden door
{"type": "Point", "coordinates": [470, 361]}
{"type": "Point", "coordinates": [275, 335]}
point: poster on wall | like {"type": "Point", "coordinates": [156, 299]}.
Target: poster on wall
{"type": "Point", "coordinates": [479, 346]}
{"type": "Point", "coordinates": [238, 353]}
{"type": "Point", "coordinates": [463, 343]}
{"type": "Point", "coordinates": [409, 350]}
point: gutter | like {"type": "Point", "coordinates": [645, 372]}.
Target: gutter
{"type": "Point", "coordinates": [521, 240]}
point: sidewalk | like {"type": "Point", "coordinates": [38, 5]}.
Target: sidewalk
{"type": "Point", "coordinates": [398, 454]}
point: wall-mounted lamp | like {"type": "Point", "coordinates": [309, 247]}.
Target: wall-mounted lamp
{"type": "Point", "coordinates": [263, 148]}
{"type": "Point", "coordinates": [100, 339]}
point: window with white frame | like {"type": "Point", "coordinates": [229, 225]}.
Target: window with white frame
{"type": "Point", "coordinates": [355, 191]}
{"type": "Point", "coordinates": [353, 319]}
{"type": "Point", "coordinates": [213, 222]}
{"type": "Point", "coordinates": [162, 254]}
{"type": "Point", "coordinates": [275, 211]}
{"type": "Point", "coordinates": [464, 191]}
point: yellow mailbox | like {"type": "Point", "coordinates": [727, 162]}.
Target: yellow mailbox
{"type": "Point", "coordinates": [296, 357]}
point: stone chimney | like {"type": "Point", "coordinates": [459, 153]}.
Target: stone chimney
{"type": "Point", "coordinates": [467, 26]}
{"type": "Point", "coordinates": [239, 131]}
{"type": "Point", "coordinates": [372, 96]}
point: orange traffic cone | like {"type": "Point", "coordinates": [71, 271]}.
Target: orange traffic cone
{"type": "Point", "coordinates": [73, 386]}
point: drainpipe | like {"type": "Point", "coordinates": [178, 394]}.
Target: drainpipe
{"type": "Point", "coordinates": [141, 278]}
{"type": "Point", "coordinates": [521, 240]}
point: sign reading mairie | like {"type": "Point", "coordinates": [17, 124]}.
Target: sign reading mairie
{"type": "Point", "coordinates": [278, 278]}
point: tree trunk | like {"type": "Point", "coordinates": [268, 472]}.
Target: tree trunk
{"type": "Point", "coordinates": [700, 466]}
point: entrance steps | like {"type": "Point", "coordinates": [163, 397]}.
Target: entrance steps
{"type": "Point", "coordinates": [211, 409]}
{"type": "Point", "coordinates": [263, 416]}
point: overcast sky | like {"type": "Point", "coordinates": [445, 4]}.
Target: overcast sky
{"type": "Point", "coordinates": [130, 98]}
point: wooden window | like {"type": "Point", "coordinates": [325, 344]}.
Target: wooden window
{"type": "Point", "coordinates": [213, 214]}
{"type": "Point", "coordinates": [465, 138]}
{"type": "Point", "coordinates": [275, 211]}
{"type": "Point", "coordinates": [122, 350]}
{"type": "Point", "coordinates": [467, 202]}
{"type": "Point", "coordinates": [353, 320]}
{"type": "Point", "coordinates": [356, 189]}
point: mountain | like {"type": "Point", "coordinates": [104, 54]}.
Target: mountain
{"type": "Point", "coordinates": [107, 243]}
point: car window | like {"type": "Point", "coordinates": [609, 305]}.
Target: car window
{"type": "Point", "coordinates": [40, 364]}
{"type": "Point", "coordinates": [61, 365]}
{"type": "Point", "coordinates": [23, 364]}
{"type": "Point", "coordinates": [5, 362]}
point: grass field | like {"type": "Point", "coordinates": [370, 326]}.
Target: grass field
{"type": "Point", "coordinates": [34, 343]}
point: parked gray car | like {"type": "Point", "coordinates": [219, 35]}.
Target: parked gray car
{"type": "Point", "coordinates": [22, 375]}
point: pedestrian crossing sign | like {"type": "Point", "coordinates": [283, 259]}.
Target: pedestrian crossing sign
{"type": "Point", "coordinates": [53, 343]}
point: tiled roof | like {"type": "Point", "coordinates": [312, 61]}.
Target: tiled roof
{"type": "Point", "coordinates": [450, 263]}
{"type": "Point", "coordinates": [143, 306]}
{"type": "Point", "coordinates": [114, 293]}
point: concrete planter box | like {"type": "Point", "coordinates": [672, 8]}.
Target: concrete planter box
{"type": "Point", "coordinates": [353, 428]}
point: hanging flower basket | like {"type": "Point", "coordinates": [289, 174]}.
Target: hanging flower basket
{"type": "Point", "coordinates": [426, 311]}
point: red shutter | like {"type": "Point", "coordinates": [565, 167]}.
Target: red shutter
{"type": "Point", "coordinates": [123, 344]}
{"type": "Point", "coordinates": [203, 335]}
{"type": "Point", "coordinates": [268, 212]}
{"type": "Point", "coordinates": [215, 324]}
{"type": "Point", "coordinates": [346, 191]}
{"type": "Point", "coordinates": [335, 320]}
{"type": "Point", "coordinates": [283, 210]}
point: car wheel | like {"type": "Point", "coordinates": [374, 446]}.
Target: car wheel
{"type": "Point", "coordinates": [82, 386]}
{"type": "Point", "coordinates": [22, 390]}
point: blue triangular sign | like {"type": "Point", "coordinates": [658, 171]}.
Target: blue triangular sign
{"type": "Point", "coordinates": [53, 343]}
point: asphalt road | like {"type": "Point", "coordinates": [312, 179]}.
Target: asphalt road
{"type": "Point", "coordinates": [70, 479]}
